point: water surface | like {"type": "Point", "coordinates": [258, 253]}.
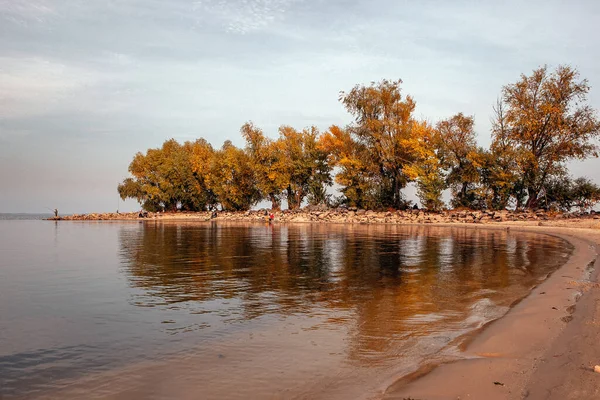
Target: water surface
{"type": "Point", "coordinates": [225, 311]}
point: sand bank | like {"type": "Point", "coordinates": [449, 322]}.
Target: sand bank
{"type": "Point", "coordinates": [544, 348]}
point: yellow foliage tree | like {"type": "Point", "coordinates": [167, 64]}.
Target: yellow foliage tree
{"type": "Point", "coordinates": [548, 121]}
{"type": "Point", "coordinates": [270, 166]}
{"type": "Point", "coordinates": [457, 150]}
{"type": "Point", "coordinates": [384, 124]}
{"type": "Point", "coordinates": [231, 178]}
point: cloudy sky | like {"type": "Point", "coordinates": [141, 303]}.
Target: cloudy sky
{"type": "Point", "coordinates": [85, 84]}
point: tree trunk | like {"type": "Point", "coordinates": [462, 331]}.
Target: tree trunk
{"type": "Point", "coordinates": [463, 194]}
{"type": "Point", "coordinates": [292, 198]}
{"type": "Point", "coordinates": [532, 198]}
{"type": "Point", "coordinates": [396, 194]}
{"type": "Point", "coordinates": [275, 203]}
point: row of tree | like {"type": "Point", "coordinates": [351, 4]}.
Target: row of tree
{"type": "Point", "coordinates": [539, 123]}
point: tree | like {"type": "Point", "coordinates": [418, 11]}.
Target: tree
{"type": "Point", "coordinates": [132, 189]}
{"type": "Point", "coordinates": [499, 166]}
{"type": "Point", "coordinates": [201, 157]}
{"type": "Point", "coordinates": [540, 123]}
{"type": "Point", "coordinates": [307, 167]}
{"type": "Point", "coordinates": [385, 126]}
{"type": "Point", "coordinates": [163, 180]}
{"type": "Point", "coordinates": [457, 150]}
{"type": "Point", "coordinates": [354, 176]}
{"type": "Point", "coordinates": [564, 193]}
{"type": "Point", "coordinates": [558, 193]}
{"type": "Point", "coordinates": [268, 162]}
{"type": "Point", "coordinates": [431, 184]}
{"type": "Point", "coordinates": [320, 177]}
{"type": "Point", "coordinates": [547, 121]}
{"type": "Point", "coordinates": [231, 178]}
{"type": "Point", "coordinates": [585, 193]}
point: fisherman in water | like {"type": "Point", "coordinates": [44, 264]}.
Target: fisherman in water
{"type": "Point", "coordinates": [56, 213]}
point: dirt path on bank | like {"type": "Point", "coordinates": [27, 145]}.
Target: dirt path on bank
{"type": "Point", "coordinates": [544, 348]}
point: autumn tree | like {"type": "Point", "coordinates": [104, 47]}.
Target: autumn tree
{"type": "Point", "coordinates": [385, 126]}
{"type": "Point", "coordinates": [307, 166]}
{"type": "Point", "coordinates": [458, 152]}
{"type": "Point", "coordinates": [131, 188]}
{"type": "Point", "coordinates": [200, 161]}
{"type": "Point", "coordinates": [269, 164]}
{"type": "Point", "coordinates": [320, 178]}
{"type": "Point", "coordinates": [499, 168]}
{"type": "Point", "coordinates": [355, 173]}
{"type": "Point", "coordinates": [547, 121]}
{"type": "Point", "coordinates": [431, 184]}
{"type": "Point", "coordinates": [539, 124]}
{"type": "Point", "coordinates": [431, 177]}
{"type": "Point", "coordinates": [231, 179]}
{"type": "Point", "coordinates": [163, 180]}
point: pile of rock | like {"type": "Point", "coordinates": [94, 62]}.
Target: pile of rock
{"type": "Point", "coordinates": [345, 215]}
{"type": "Point", "coordinates": [353, 215]}
{"type": "Point", "coordinates": [101, 216]}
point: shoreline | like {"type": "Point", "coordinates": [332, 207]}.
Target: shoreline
{"type": "Point", "coordinates": [359, 216]}
{"type": "Point", "coordinates": [543, 348]}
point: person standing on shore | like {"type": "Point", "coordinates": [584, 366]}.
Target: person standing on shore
{"type": "Point", "coordinates": [56, 213]}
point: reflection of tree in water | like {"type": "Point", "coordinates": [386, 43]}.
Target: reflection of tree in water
{"type": "Point", "coordinates": [260, 265]}
{"type": "Point", "coordinates": [446, 270]}
{"type": "Point", "coordinates": [389, 278]}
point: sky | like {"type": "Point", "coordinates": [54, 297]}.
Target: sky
{"type": "Point", "coordinates": [85, 84]}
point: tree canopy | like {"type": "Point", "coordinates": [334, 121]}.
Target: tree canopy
{"type": "Point", "coordinates": [539, 123]}
{"type": "Point", "coordinates": [546, 119]}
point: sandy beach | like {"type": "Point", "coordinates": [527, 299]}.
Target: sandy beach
{"type": "Point", "coordinates": [544, 348]}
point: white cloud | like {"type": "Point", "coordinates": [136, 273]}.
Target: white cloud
{"type": "Point", "coordinates": [245, 16]}
{"type": "Point", "coordinates": [24, 12]}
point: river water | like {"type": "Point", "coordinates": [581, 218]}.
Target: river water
{"type": "Point", "coordinates": [158, 310]}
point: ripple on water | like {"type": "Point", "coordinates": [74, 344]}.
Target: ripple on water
{"type": "Point", "coordinates": [160, 309]}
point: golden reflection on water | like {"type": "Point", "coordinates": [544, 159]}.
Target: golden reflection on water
{"type": "Point", "coordinates": [159, 310]}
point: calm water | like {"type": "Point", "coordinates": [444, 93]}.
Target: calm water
{"type": "Point", "coordinates": [24, 216]}
{"type": "Point", "coordinates": [216, 311]}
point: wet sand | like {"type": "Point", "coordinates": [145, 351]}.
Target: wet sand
{"type": "Point", "coordinates": [544, 348]}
